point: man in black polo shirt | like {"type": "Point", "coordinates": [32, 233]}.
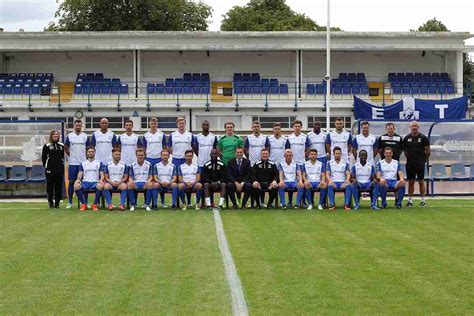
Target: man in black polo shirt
{"type": "Point", "coordinates": [417, 150]}
{"type": "Point", "coordinates": [392, 140]}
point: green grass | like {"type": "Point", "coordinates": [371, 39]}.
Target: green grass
{"type": "Point", "coordinates": [417, 261]}
{"type": "Point", "coordinates": [63, 262]}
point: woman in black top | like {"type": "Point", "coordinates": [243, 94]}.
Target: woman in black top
{"type": "Point", "coordinates": [53, 162]}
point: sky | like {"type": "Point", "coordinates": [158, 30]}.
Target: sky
{"type": "Point", "coordinates": [350, 15]}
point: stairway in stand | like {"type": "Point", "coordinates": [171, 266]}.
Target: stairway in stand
{"type": "Point", "coordinates": [65, 91]}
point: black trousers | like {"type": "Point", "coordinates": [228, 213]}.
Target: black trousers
{"type": "Point", "coordinates": [231, 190]}
{"type": "Point", "coordinates": [256, 193]}
{"type": "Point", "coordinates": [54, 188]}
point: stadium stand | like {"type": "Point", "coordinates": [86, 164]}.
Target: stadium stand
{"type": "Point", "coordinates": [96, 83]}
{"type": "Point", "coordinates": [252, 83]}
{"type": "Point", "coordinates": [37, 174]}
{"type": "Point", "coordinates": [26, 83]}
{"type": "Point", "coordinates": [344, 84]}
{"type": "Point", "coordinates": [17, 174]}
{"type": "Point", "coordinates": [421, 83]}
{"type": "Point", "coordinates": [195, 83]}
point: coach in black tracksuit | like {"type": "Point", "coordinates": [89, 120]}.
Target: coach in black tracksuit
{"type": "Point", "coordinates": [265, 176]}
{"type": "Point", "coordinates": [53, 162]}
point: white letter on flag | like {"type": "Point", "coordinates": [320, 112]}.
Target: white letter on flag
{"type": "Point", "coordinates": [441, 108]}
{"type": "Point", "coordinates": [377, 113]}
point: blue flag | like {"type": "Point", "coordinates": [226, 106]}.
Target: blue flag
{"type": "Point", "coordinates": [412, 109]}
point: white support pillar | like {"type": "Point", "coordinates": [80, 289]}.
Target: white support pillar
{"type": "Point", "coordinates": [139, 67]}
{"type": "Point", "coordinates": [134, 56]}
{"type": "Point", "coordinates": [459, 72]}
{"type": "Point", "coordinates": [297, 70]}
{"type": "Point", "coordinates": [301, 73]}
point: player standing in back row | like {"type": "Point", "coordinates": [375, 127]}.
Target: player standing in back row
{"type": "Point", "coordinates": [104, 140]}
{"type": "Point", "coordinates": [154, 141]}
{"type": "Point", "coordinates": [254, 143]}
{"type": "Point", "coordinates": [179, 142]}
{"type": "Point", "coordinates": [205, 142]}
{"type": "Point", "coordinates": [297, 143]}
{"type": "Point", "coordinates": [339, 138]}
{"type": "Point", "coordinates": [316, 139]}
{"type": "Point", "coordinates": [228, 143]}
{"type": "Point", "coordinates": [277, 144]}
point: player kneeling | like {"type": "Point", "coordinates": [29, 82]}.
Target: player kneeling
{"type": "Point", "coordinates": [290, 178]}
{"type": "Point", "coordinates": [386, 178]}
{"type": "Point", "coordinates": [90, 177]}
{"type": "Point", "coordinates": [189, 176]}
{"type": "Point", "coordinates": [314, 176]}
{"type": "Point", "coordinates": [363, 174]}
{"type": "Point", "coordinates": [339, 177]}
{"type": "Point", "coordinates": [165, 179]}
{"type": "Point", "coordinates": [140, 178]}
{"type": "Point", "coordinates": [116, 175]}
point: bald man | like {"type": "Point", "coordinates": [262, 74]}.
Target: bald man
{"type": "Point", "coordinates": [104, 140]}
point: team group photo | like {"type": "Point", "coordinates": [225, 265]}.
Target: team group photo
{"type": "Point", "coordinates": [244, 157]}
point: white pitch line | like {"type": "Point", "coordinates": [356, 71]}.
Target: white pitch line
{"type": "Point", "coordinates": [239, 305]}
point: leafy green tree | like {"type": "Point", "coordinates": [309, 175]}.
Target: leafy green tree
{"type": "Point", "coordinates": [131, 15]}
{"type": "Point", "coordinates": [268, 15]}
{"type": "Point", "coordinates": [432, 25]}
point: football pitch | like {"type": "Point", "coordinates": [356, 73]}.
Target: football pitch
{"type": "Point", "coordinates": [415, 261]}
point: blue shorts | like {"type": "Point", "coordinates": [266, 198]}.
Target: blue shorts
{"type": "Point", "coordinates": [153, 161]}
{"type": "Point", "coordinates": [72, 172]}
{"type": "Point", "coordinates": [364, 185]}
{"type": "Point", "coordinates": [315, 185]}
{"type": "Point", "coordinates": [89, 185]}
{"type": "Point", "coordinates": [391, 184]}
{"type": "Point", "coordinates": [178, 162]}
{"type": "Point", "coordinates": [291, 185]}
{"type": "Point", "coordinates": [338, 184]}
{"type": "Point", "coordinates": [324, 160]}
{"type": "Point", "coordinates": [140, 185]}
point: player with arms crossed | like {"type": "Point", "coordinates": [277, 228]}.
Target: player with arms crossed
{"type": "Point", "coordinates": [90, 177]}
{"type": "Point", "coordinates": [141, 178]}
{"type": "Point", "coordinates": [339, 177]}
{"type": "Point", "coordinates": [388, 173]}
{"type": "Point", "coordinates": [189, 176]}
{"type": "Point", "coordinates": [290, 178]}
{"type": "Point", "coordinates": [116, 176]}
{"type": "Point", "coordinates": [362, 175]}
{"type": "Point", "coordinates": [314, 177]}
{"type": "Point", "coordinates": [165, 179]}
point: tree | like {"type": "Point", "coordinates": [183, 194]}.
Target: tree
{"type": "Point", "coordinates": [268, 15]}
{"type": "Point", "coordinates": [432, 25]}
{"type": "Point", "coordinates": [131, 15]}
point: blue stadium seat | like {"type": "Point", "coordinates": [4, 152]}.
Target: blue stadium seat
{"type": "Point", "coordinates": [355, 89]}
{"type": "Point", "coordinates": [310, 89]}
{"type": "Point", "coordinates": [256, 88]}
{"type": "Point", "coordinates": [105, 89]}
{"type": "Point", "coordinates": [439, 172]}
{"type": "Point", "coordinates": [423, 88]}
{"type": "Point", "coordinates": [432, 89]}
{"type": "Point", "coordinates": [115, 88]}
{"type": "Point", "coordinates": [35, 89]}
{"type": "Point", "coordinates": [3, 173]}
{"type": "Point", "coordinates": [415, 88]}
{"type": "Point", "coordinates": [37, 174]}
{"type": "Point", "coordinates": [321, 88]}
{"type": "Point", "coordinates": [346, 88]}
{"type": "Point", "coordinates": [160, 88]}
{"type": "Point", "coordinates": [283, 88]}
{"type": "Point", "coordinates": [274, 89]}
{"type": "Point", "coordinates": [364, 89]}
{"type": "Point", "coordinates": [8, 88]}
{"type": "Point", "coordinates": [17, 88]}
{"type": "Point", "coordinates": [205, 90]}
{"type": "Point", "coordinates": [406, 89]}
{"type": "Point", "coordinates": [124, 88]}
{"type": "Point", "coordinates": [96, 88]}
{"type": "Point", "coordinates": [458, 171]}
{"type": "Point", "coordinates": [450, 89]}
{"type": "Point", "coordinates": [78, 88]}
{"type": "Point", "coordinates": [197, 90]}
{"type": "Point", "coordinates": [442, 89]}
{"type": "Point", "coordinates": [17, 174]}
{"type": "Point", "coordinates": [150, 88]}
{"type": "Point", "coordinates": [26, 88]}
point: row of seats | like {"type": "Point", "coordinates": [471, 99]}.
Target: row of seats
{"type": "Point", "coordinates": [338, 88]}
{"type": "Point", "coordinates": [457, 172]}
{"type": "Point", "coordinates": [252, 83]}
{"type": "Point", "coordinates": [418, 77]}
{"type": "Point", "coordinates": [26, 77]}
{"type": "Point", "coordinates": [96, 83]}
{"type": "Point", "coordinates": [423, 88]}
{"type": "Point", "coordinates": [196, 83]}
{"type": "Point", "coordinates": [18, 174]}
{"type": "Point", "coordinates": [350, 77]}
{"type": "Point", "coordinates": [25, 88]}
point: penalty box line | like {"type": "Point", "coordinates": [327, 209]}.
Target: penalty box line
{"type": "Point", "coordinates": [239, 304]}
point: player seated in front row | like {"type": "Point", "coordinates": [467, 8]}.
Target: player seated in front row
{"type": "Point", "coordinates": [165, 180]}
{"type": "Point", "coordinates": [189, 177]}
{"type": "Point", "coordinates": [265, 176]}
{"type": "Point", "coordinates": [363, 174]}
{"type": "Point", "coordinates": [90, 177]}
{"type": "Point", "coordinates": [214, 178]}
{"type": "Point", "coordinates": [314, 176]}
{"type": "Point", "coordinates": [116, 176]}
{"type": "Point", "coordinates": [388, 173]}
{"type": "Point", "coordinates": [290, 178]}
{"type": "Point", "coordinates": [238, 174]}
{"type": "Point", "coordinates": [339, 177]}
{"type": "Point", "coordinates": [140, 178]}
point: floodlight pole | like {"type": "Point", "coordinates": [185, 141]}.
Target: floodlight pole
{"type": "Point", "coordinates": [328, 68]}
